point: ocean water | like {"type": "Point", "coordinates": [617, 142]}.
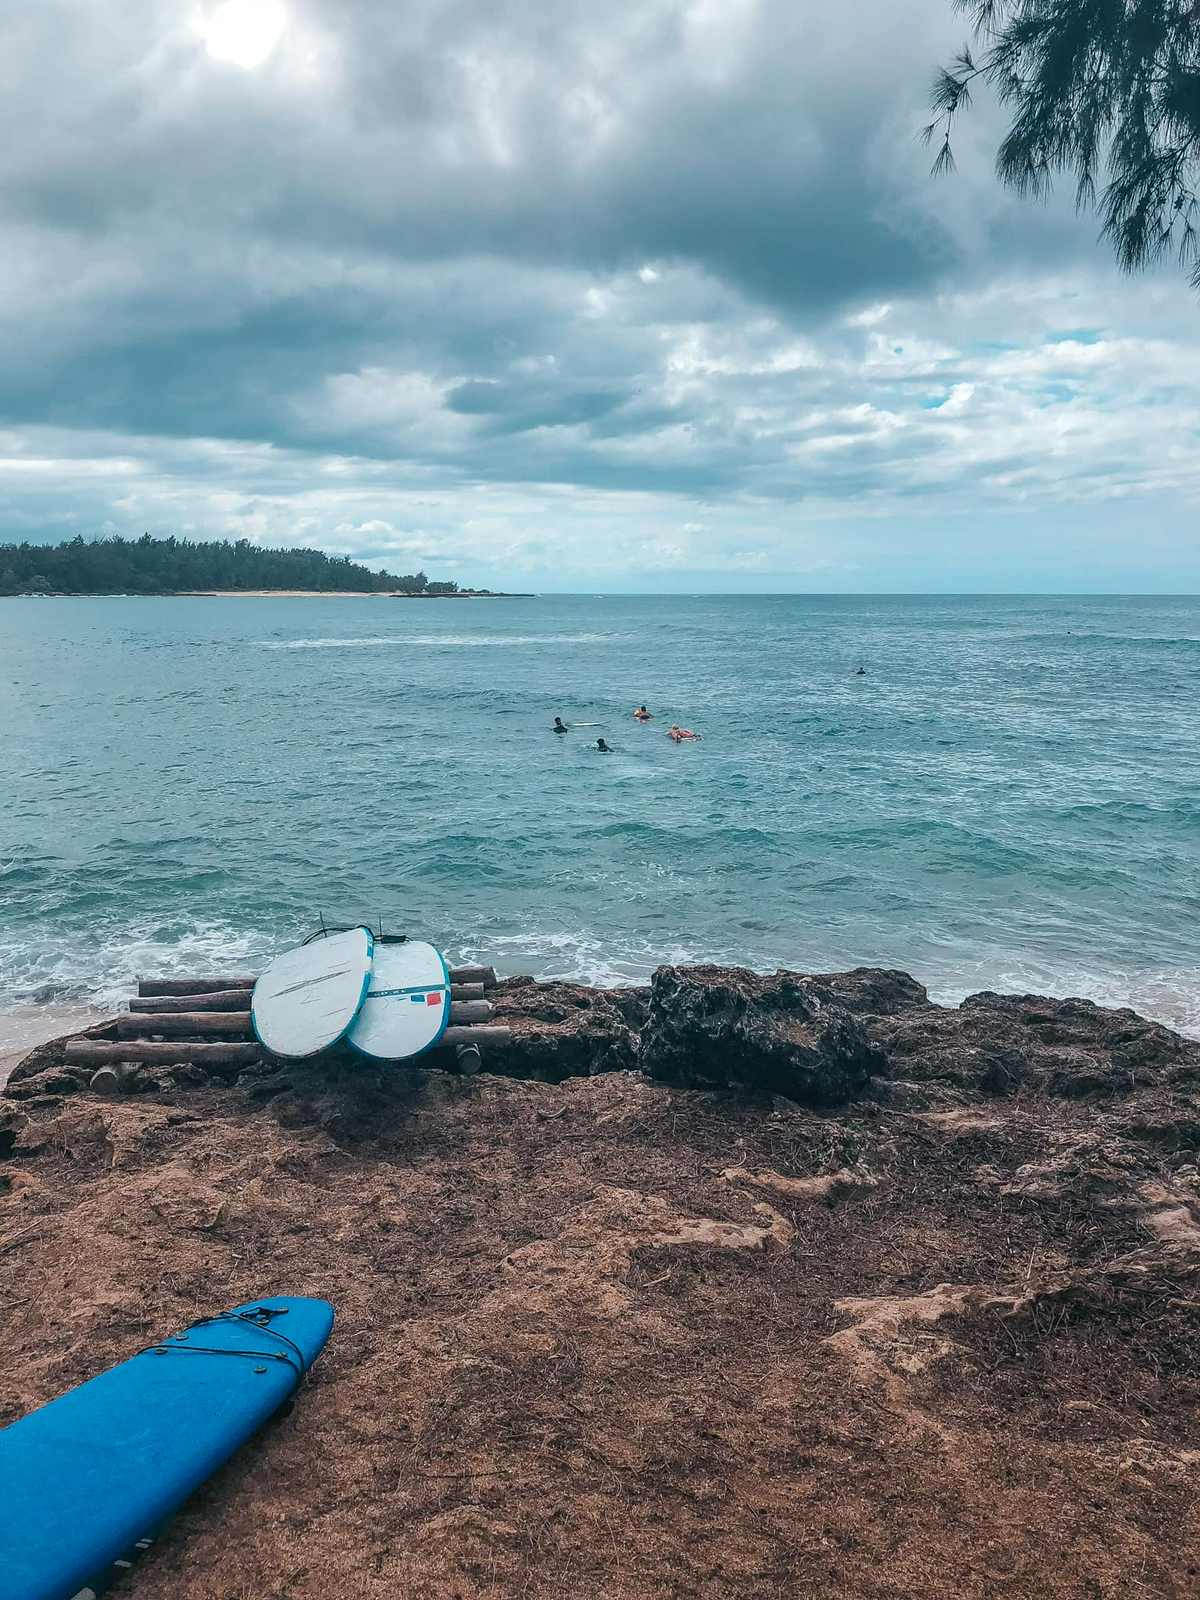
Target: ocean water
{"type": "Point", "coordinates": [1007, 799]}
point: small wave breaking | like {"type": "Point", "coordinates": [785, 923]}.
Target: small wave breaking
{"type": "Point", "coordinates": [428, 641]}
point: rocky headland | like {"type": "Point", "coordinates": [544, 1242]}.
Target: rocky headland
{"type": "Point", "coordinates": [734, 1285]}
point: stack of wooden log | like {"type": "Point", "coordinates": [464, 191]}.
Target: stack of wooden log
{"type": "Point", "coordinates": [206, 1022]}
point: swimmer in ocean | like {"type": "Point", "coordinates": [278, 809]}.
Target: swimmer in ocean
{"type": "Point", "coordinates": [560, 726]}
{"type": "Point", "coordinates": [605, 749]}
{"type": "Point", "coordinates": [861, 673]}
{"type": "Point", "coordinates": [642, 714]}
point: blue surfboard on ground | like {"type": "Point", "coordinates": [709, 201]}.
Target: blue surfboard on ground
{"type": "Point", "coordinates": [90, 1474]}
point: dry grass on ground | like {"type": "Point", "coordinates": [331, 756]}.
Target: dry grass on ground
{"type": "Point", "coordinates": [608, 1339]}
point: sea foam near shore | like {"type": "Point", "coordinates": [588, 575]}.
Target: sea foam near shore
{"type": "Point", "coordinates": [1004, 800]}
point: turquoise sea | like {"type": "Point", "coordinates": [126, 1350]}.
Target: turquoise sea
{"type": "Point", "coordinates": [1007, 799]}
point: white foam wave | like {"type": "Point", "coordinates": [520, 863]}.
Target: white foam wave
{"type": "Point", "coordinates": [437, 640]}
{"type": "Point", "coordinates": [581, 957]}
{"type": "Point", "coordinates": [39, 976]}
{"type": "Point", "coordinates": [1171, 997]}
{"type": "Point", "coordinates": [103, 972]}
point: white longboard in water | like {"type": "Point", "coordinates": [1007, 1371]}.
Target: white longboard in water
{"type": "Point", "coordinates": [306, 999]}
{"type": "Point", "coordinates": [407, 1005]}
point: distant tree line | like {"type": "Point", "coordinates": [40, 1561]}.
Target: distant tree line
{"type": "Point", "coordinates": [161, 566]}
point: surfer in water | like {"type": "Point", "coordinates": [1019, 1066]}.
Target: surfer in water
{"type": "Point", "coordinates": [679, 734]}
{"type": "Point", "coordinates": [642, 715]}
{"type": "Point", "coordinates": [861, 673]}
{"type": "Point", "coordinates": [560, 726]}
{"type": "Point", "coordinates": [605, 749]}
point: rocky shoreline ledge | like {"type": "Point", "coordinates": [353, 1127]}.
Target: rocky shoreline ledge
{"type": "Point", "coordinates": [733, 1285]}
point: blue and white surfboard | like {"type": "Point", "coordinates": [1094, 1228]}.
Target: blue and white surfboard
{"type": "Point", "coordinates": [91, 1475]}
{"type": "Point", "coordinates": [307, 998]}
{"type": "Point", "coordinates": [407, 1005]}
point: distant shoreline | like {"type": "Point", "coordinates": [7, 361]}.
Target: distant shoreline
{"type": "Point", "coordinates": [265, 594]}
{"type": "Point", "coordinates": [341, 594]}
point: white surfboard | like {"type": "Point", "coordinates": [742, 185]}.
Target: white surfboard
{"type": "Point", "coordinates": [307, 998]}
{"type": "Point", "coordinates": [407, 1005]}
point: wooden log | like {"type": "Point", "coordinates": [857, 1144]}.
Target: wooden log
{"type": "Point", "coordinates": [474, 974]}
{"type": "Point", "coordinates": [165, 1053]}
{"type": "Point", "coordinates": [466, 991]}
{"type": "Point", "coordinates": [112, 1079]}
{"type": "Point", "coordinates": [468, 1059]}
{"type": "Point", "coordinates": [480, 1036]}
{"type": "Point", "coordinates": [183, 1024]}
{"type": "Point", "coordinates": [157, 986]}
{"type": "Point", "coordinates": [471, 1011]}
{"type": "Point", "coordinates": [220, 1000]}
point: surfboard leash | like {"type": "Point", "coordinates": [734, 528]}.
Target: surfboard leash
{"type": "Point", "coordinates": [293, 1355]}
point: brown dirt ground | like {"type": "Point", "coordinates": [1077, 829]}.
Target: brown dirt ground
{"type": "Point", "coordinates": [606, 1338]}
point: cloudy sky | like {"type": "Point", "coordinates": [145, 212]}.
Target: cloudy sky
{"type": "Point", "coordinates": [642, 294]}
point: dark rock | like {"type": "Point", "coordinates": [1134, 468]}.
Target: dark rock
{"type": "Point", "coordinates": [14, 1130]}
{"type": "Point", "coordinates": [633, 1004]}
{"type": "Point", "coordinates": [809, 1037]}
{"type": "Point", "coordinates": [934, 1046]}
{"type": "Point", "coordinates": [1081, 1024]}
{"type": "Point", "coordinates": [998, 1044]}
{"type": "Point", "coordinates": [187, 1075]}
{"type": "Point", "coordinates": [46, 1081]}
{"type": "Point", "coordinates": [871, 991]}
{"type": "Point", "coordinates": [564, 1030]}
{"type": "Point", "coordinates": [724, 1025]}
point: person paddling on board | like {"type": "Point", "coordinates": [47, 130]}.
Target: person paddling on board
{"type": "Point", "coordinates": [680, 734]}
{"type": "Point", "coordinates": [642, 715]}
{"type": "Point", "coordinates": [560, 726]}
{"type": "Point", "coordinates": [605, 749]}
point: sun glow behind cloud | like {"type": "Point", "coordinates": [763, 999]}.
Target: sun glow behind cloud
{"type": "Point", "coordinates": [244, 33]}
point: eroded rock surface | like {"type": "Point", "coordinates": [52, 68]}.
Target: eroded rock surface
{"type": "Point", "coordinates": [566, 1030]}
{"type": "Point", "coordinates": [999, 1044]}
{"type": "Point", "coordinates": [617, 1337]}
{"type": "Point", "coordinates": [818, 1038]}
{"type": "Point", "coordinates": [778, 1033]}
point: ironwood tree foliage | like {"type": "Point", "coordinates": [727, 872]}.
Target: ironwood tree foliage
{"type": "Point", "coordinates": [158, 566]}
{"type": "Point", "coordinates": [1106, 90]}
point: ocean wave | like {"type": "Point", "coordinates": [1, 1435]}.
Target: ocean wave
{"type": "Point", "coordinates": [61, 974]}
{"type": "Point", "coordinates": [1120, 813]}
{"type": "Point", "coordinates": [1120, 641]}
{"type": "Point", "coordinates": [948, 813]}
{"type": "Point", "coordinates": [1169, 995]}
{"type": "Point", "coordinates": [581, 956]}
{"type": "Point", "coordinates": [437, 641]}
{"type": "Point", "coordinates": [101, 970]}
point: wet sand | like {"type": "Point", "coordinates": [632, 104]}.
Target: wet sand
{"type": "Point", "coordinates": [26, 1026]}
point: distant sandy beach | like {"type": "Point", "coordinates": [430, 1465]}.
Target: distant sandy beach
{"type": "Point", "coordinates": [285, 594]}
{"type": "Point", "coordinates": [332, 594]}
{"type": "Point", "coordinates": [28, 1026]}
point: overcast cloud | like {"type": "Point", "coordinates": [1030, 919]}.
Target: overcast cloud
{"type": "Point", "coordinates": [641, 294]}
